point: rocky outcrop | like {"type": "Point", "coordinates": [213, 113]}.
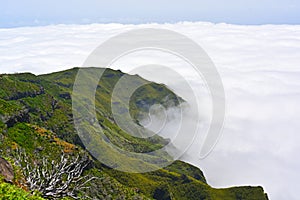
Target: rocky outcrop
{"type": "Point", "coordinates": [65, 95]}
{"type": "Point", "coordinates": [6, 170]}
{"type": "Point", "coordinates": [20, 95]}
{"type": "Point", "coordinates": [20, 116]}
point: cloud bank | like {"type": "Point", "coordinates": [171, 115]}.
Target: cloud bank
{"type": "Point", "coordinates": [260, 69]}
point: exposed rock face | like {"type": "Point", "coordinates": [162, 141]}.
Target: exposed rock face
{"type": "Point", "coordinates": [21, 116]}
{"type": "Point", "coordinates": [20, 95]}
{"type": "Point", "coordinates": [65, 95]}
{"type": "Point", "coordinates": [6, 170]}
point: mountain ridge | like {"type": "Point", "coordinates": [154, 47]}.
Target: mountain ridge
{"type": "Point", "coordinates": [36, 116]}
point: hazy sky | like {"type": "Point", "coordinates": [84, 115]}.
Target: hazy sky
{"type": "Point", "coordinates": [35, 12]}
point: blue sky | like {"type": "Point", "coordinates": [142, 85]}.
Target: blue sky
{"type": "Point", "coordinates": [15, 13]}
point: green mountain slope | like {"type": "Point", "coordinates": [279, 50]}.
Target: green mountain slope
{"type": "Point", "coordinates": [36, 117]}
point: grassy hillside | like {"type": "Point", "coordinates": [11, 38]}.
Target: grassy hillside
{"type": "Point", "coordinates": [36, 118]}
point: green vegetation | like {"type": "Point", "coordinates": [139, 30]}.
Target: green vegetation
{"type": "Point", "coordinates": [12, 192]}
{"type": "Point", "coordinates": [36, 117]}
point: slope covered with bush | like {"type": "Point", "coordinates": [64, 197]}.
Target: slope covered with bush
{"type": "Point", "coordinates": [36, 120]}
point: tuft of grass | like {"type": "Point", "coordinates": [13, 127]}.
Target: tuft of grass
{"type": "Point", "coordinates": [12, 192]}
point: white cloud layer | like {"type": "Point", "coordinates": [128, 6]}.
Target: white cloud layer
{"type": "Point", "coordinates": [260, 69]}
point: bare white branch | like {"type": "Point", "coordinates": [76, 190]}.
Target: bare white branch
{"type": "Point", "coordinates": [56, 179]}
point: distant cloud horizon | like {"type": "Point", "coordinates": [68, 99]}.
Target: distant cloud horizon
{"type": "Point", "coordinates": [16, 13]}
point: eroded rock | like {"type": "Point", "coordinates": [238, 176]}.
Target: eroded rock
{"type": "Point", "coordinates": [6, 170]}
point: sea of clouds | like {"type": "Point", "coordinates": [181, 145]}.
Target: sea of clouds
{"type": "Point", "coordinates": [260, 70]}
